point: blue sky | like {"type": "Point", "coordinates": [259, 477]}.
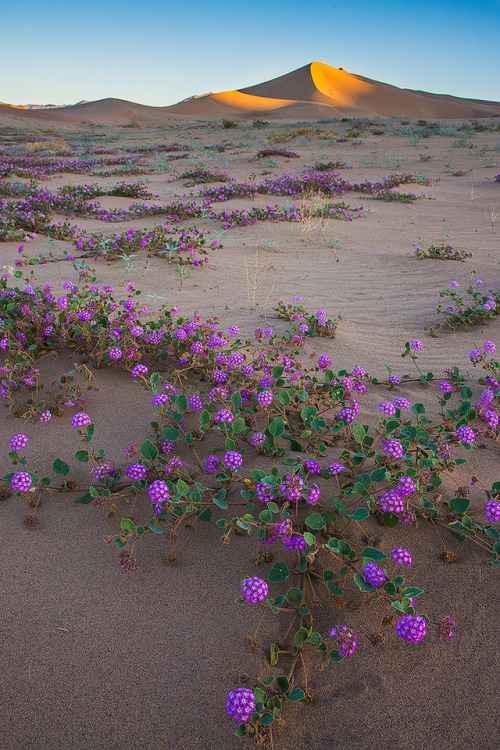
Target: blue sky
{"type": "Point", "coordinates": [152, 52]}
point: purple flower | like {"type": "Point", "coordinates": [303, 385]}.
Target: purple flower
{"type": "Point", "coordinates": [158, 493]}
{"type": "Point", "coordinates": [336, 469]}
{"type": "Point", "coordinates": [167, 446]}
{"type": "Point", "coordinates": [45, 416]}
{"type": "Point", "coordinates": [454, 284]}
{"type": "Point", "coordinates": [258, 439]}
{"type": "Point", "coordinates": [324, 362]}
{"type": "Point", "coordinates": [136, 472]}
{"type": "Point", "coordinates": [411, 628]}
{"type": "Point", "coordinates": [195, 402]}
{"type": "Point", "coordinates": [265, 398]}
{"type": "Point", "coordinates": [358, 372]}
{"type": "Point", "coordinates": [254, 589]}
{"type": "Point", "coordinates": [374, 575]}
{"type": "Point", "coordinates": [395, 379]}
{"type": "Point", "coordinates": [265, 492]}
{"type": "Point", "coordinates": [18, 442]}
{"type": "Point", "coordinates": [445, 629]}
{"type": "Point", "coordinates": [160, 399]}
{"type": "Point", "coordinates": [489, 347]}
{"type": "Point", "coordinates": [211, 464]}
{"type": "Point", "coordinates": [294, 542]}
{"type": "Point", "coordinates": [240, 704]}
{"type": "Point", "coordinates": [475, 355]}
{"type": "Point", "coordinates": [21, 481]}
{"type": "Point", "coordinates": [224, 415]}
{"type": "Point", "coordinates": [417, 345]}
{"type": "Point", "coordinates": [80, 420]}
{"type": "Point", "coordinates": [406, 486]}
{"type": "Point", "coordinates": [492, 511]}
{"type": "Point", "coordinates": [346, 642]}
{"type": "Point", "coordinates": [233, 460]}
{"type": "Point", "coordinates": [312, 467]}
{"type": "Point", "coordinates": [445, 387]}
{"type": "Point", "coordinates": [401, 556]}
{"type": "Point", "coordinates": [466, 435]}
{"type": "Point", "coordinates": [393, 448]}
{"type": "Point", "coordinates": [139, 370]}
{"type": "Point", "coordinates": [102, 471]}
{"type": "Point", "coordinates": [402, 403]}
{"type": "Point", "coordinates": [233, 331]}
{"type": "Point", "coordinates": [313, 495]}
{"type": "Point", "coordinates": [387, 408]}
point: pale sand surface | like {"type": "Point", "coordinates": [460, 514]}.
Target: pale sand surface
{"type": "Point", "coordinates": [92, 658]}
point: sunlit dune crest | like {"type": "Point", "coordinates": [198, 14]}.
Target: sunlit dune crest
{"type": "Point", "coordinates": [312, 92]}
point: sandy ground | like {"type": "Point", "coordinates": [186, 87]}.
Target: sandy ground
{"type": "Point", "coordinates": [93, 659]}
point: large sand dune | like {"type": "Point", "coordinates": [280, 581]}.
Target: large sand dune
{"type": "Point", "coordinates": [314, 91]}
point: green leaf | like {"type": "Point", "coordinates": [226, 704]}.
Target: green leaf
{"type": "Point", "coordinates": [149, 451]}
{"type": "Point", "coordinates": [373, 554]}
{"type": "Point", "coordinates": [266, 719]}
{"type": "Point", "coordinates": [205, 515]}
{"type": "Point", "coordinates": [84, 499]}
{"type": "Point", "coordinates": [221, 503]}
{"type": "Point", "coordinates": [390, 519]}
{"type": "Point", "coordinates": [309, 538]}
{"type": "Point", "coordinates": [411, 592]}
{"type": "Point", "coordinates": [358, 432]}
{"type": "Point", "coordinates": [181, 402]}
{"type": "Point", "coordinates": [282, 683]}
{"type": "Point", "coordinates": [315, 521]}
{"type": "Point", "coordinates": [257, 475]}
{"type": "Point", "coordinates": [204, 417]}
{"type": "Point", "coordinates": [277, 427]}
{"type": "Point", "coordinates": [293, 596]}
{"type": "Point", "coordinates": [279, 572]}
{"type": "Point", "coordinates": [418, 409]}
{"type": "Point", "coordinates": [465, 393]}
{"type": "Point", "coordinates": [359, 514]}
{"type": "Point", "coordinates": [390, 588]}
{"type": "Point", "coordinates": [82, 456]}
{"type": "Point", "coordinates": [296, 695]}
{"type": "Point", "coordinates": [458, 504]}
{"type": "Point", "coordinates": [182, 488]}
{"type": "Point", "coordinates": [59, 467]}
{"type": "Point", "coordinates": [126, 524]}
{"type": "Point", "coordinates": [241, 731]}
{"type": "Point", "coordinates": [333, 589]}
{"type": "Point", "coordinates": [238, 425]}
{"type": "Point", "coordinates": [236, 399]}
{"type": "Point", "coordinates": [362, 584]}
{"type": "Point", "coordinates": [300, 636]}
{"type": "Point", "coordinates": [154, 378]}
{"type": "Point", "coordinates": [170, 433]}
{"type": "Point", "coordinates": [273, 660]}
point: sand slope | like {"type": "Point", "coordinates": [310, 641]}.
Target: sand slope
{"type": "Point", "coordinates": [314, 91]}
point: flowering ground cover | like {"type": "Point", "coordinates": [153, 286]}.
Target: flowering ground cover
{"type": "Point", "coordinates": [247, 423]}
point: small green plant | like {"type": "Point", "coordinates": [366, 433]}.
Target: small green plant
{"type": "Point", "coordinates": [228, 124]}
{"type": "Point", "coordinates": [441, 252]}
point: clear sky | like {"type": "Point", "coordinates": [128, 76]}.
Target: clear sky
{"type": "Point", "coordinates": [158, 52]}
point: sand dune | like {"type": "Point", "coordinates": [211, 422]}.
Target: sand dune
{"type": "Point", "coordinates": [312, 92]}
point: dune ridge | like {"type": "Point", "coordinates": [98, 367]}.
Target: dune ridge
{"type": "Point", "coordinates": [314, 91]}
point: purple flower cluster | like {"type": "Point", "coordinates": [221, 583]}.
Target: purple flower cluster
{"type": "Point", "coordinates": [21, 481]}
{"type": "Point", "coordinates": [346, 641]}
{"type": "Point", "coordinates": [411, 628]}
{"type": "Point", "coordinates": [240, 704]}
{"type": "Point", "coordinates": [254, 589]}
{"type": "Point", "coordinates": [374, 575]}
{"type": "Point", "coordinates": [18, 442]}
{"type": "Point", "coordinates": [401, 556]}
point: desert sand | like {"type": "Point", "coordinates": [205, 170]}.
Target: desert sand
{"type": "Point", "coordinates": [95, 659]}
